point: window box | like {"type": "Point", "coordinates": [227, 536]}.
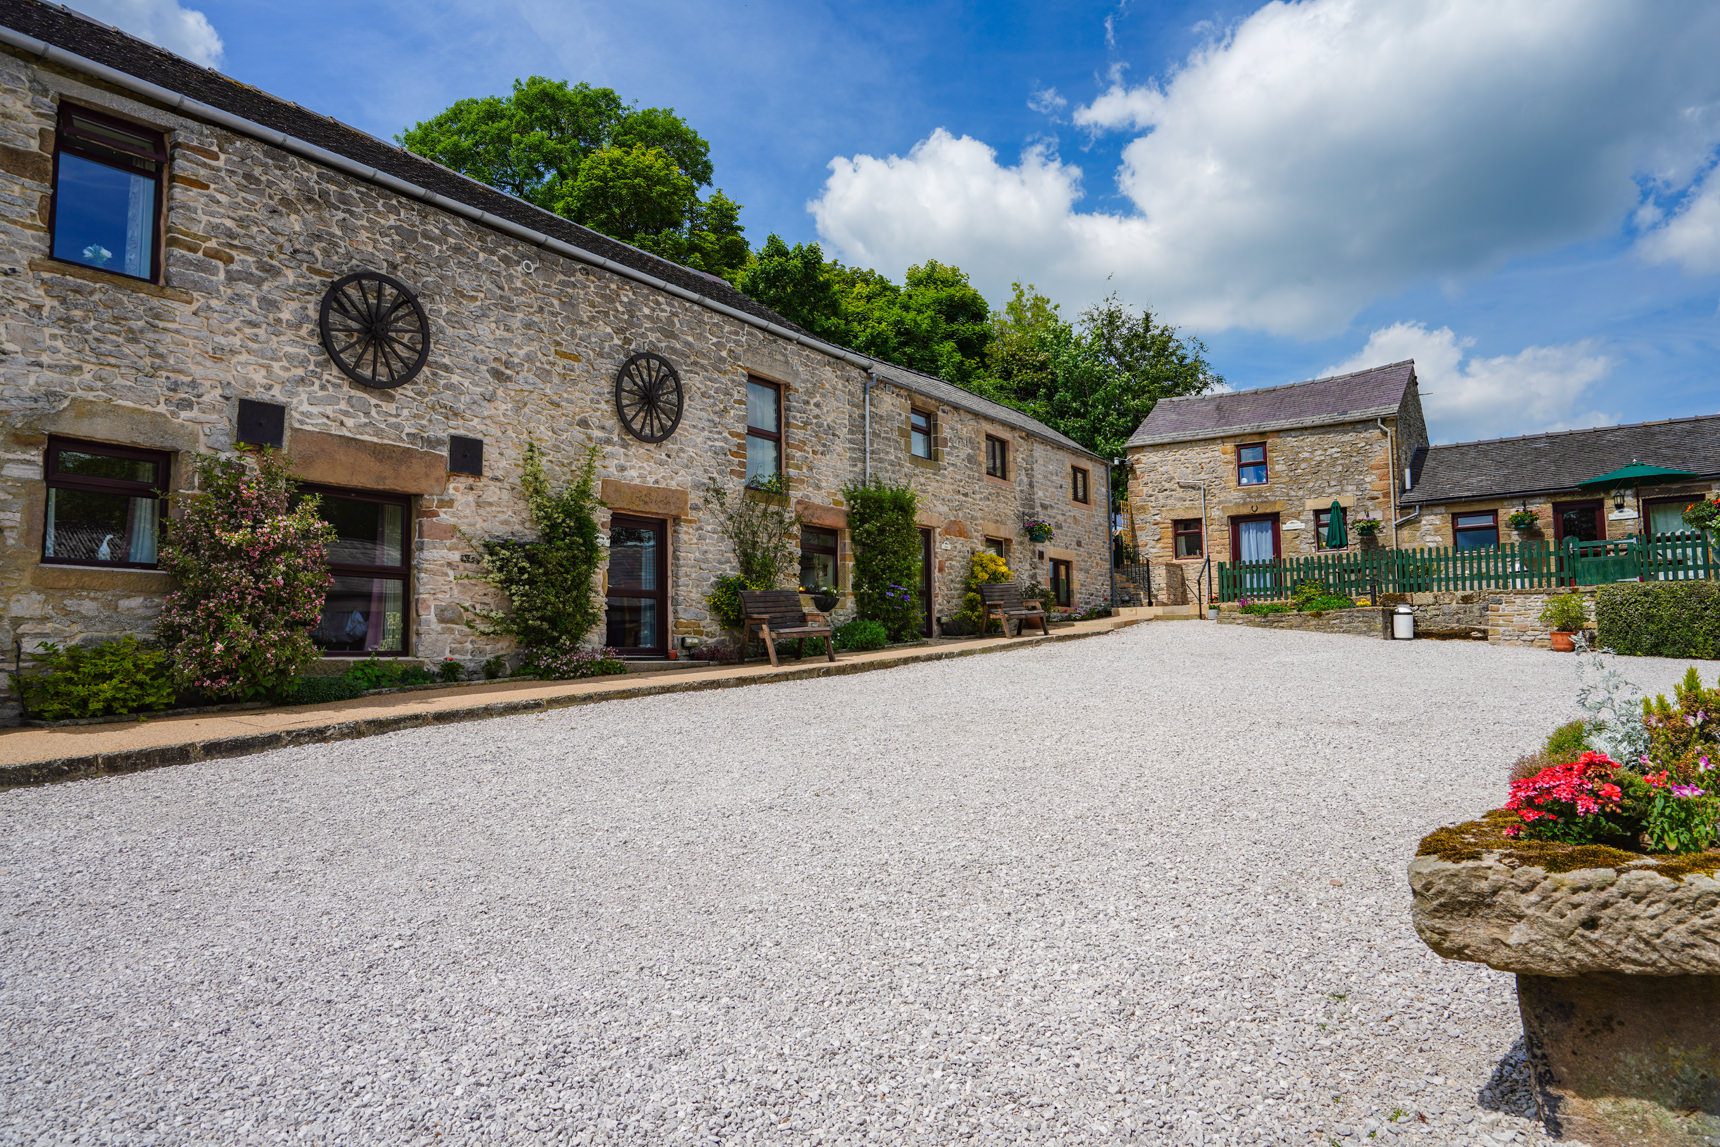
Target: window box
{"type": "Point", "coordinates": [104, 504]}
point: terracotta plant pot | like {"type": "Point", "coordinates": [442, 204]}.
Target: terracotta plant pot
{"type": "Point", "coordinates": [1562, 641]}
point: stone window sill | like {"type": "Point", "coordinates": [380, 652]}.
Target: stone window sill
{"type": "Point", "coordinates": [48, 575]}
{"type": "Point", "coordinates": [43, 265]}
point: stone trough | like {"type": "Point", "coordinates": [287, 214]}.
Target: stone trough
{"type": "Point", "coordinates": [1617, 958]}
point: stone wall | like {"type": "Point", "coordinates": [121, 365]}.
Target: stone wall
{"type": "Point", "coordinates": [1514, 617]}
{"type": "Point", "coordinates": [1307, 469]}
{"type": "Point", "coordinates": [1359, 622]}
{"type": "Point", "coordinates": [525, 346]}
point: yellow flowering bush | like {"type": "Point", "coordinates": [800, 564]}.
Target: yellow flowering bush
{"type": "Point", "coordinates": [984, 568]}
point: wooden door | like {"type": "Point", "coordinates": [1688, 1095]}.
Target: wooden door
{"type": "Point", "coordinates": [928, 622]}
{"type": "Point", "coordinates": [638, 599]}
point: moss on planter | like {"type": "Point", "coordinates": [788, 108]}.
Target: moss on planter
{"type": "Point", "coordinates": [1475, 839]}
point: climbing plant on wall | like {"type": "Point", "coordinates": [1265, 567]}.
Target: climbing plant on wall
{"type": "Point", "coordinates": [886, 536]}
{"type": "Point", "coordinates": [550, 579]}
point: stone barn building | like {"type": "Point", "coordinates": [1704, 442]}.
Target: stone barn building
{"type": "Point", "coordinates": [189, 264]}
{"type": "Point", "coordinates": [1252, 475]}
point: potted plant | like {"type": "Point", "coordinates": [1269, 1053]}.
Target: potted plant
{"type": "Point", "coordinates": [1368, 530]}
{"type": "Point", "coordinates": [1523, 520]}
{"type": "Point", "coordinates": [823, 597]}
{"type": "Point", "coordinates": [1038, 530]}
{"type": "Point", "coordinates": [1565, 615]}
{"type": "Point", "coordinates": [1594, 886]}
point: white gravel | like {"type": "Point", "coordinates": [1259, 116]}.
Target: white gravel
{"type": "Point", "coordinates": [1143, 888]}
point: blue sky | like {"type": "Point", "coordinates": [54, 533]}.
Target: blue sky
{"type": "Point", "coordinates": [1520, 196]}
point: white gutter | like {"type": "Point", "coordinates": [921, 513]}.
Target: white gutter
{"type": "Point", "coordinates": [196, 109]}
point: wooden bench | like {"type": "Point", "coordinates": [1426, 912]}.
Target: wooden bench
{"type": "Point", "coordinates": [1004, 602]}
{"type": "Point", "coordinates": [778, 613]}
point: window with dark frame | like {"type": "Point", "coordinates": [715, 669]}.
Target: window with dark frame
{"type": "Point", "coordinates": [1187, 537]}
{"type": "Point", "coordinates": [1062, 582]}
{"type": "Point", "coordinates": [103, 505]}
{"type": "Point", "coordinates": [998, 546]}
{"type": "Point", "coordinates": [1080, 485]}
{"type": "Point", "coordinates": [107, 202]}
{"type": "Point", "coordinates": [764, 430]}
{"type": "Point", "coordinates": [1323, 523]}
{"type": "Point", "coordinates": [818, 551]}
{"type": "Point", "coordinates": [1475, 531]}
{"type": "Point", "coordinates": [364, 610]}
{"type": "Point", "coordinates": [1251, 464]}
{"type": "Point", "coordinates": [922, 426]}
{"type": "Point", "coordinates": [996, 457]}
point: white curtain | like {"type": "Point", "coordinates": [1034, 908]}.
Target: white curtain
{"type": "Point", "coordinates": [144, 517]}
{"type": "Point", "coordinates": [139, 218]}
{"type": "Point", "coordinates": [1256, 538]}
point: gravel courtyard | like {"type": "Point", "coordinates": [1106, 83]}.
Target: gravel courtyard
{"type": "Point", "coordinates": [1147, 887]}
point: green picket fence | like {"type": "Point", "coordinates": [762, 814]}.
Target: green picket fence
{"type": "Point", "coordinates": [1514, 565]}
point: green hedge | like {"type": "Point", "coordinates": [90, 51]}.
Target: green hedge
{"type": "Point", "coordinates": [1659, 618]}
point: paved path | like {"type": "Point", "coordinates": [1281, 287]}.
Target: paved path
{"type": "Point", "coordinates": [1145, 887]}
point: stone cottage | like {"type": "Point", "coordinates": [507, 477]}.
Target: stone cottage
{"type": "Point", "coordinates": [190, 264]}
{"type": "Point", "coordinates": [1252, 475]}
{"type": "Point", "coordinates": [1466, 492]}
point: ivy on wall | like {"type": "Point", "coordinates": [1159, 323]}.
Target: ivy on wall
{"type": "Point", "coordinates": [883, 526]}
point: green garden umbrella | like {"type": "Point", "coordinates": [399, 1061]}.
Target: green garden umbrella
{"type": "Point", "coordinates": [1337, 537]}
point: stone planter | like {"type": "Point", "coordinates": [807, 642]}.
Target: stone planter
{"type": "Point", "coordinates": [1617, 958]}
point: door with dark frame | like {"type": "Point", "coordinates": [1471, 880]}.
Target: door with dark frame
{"type": "Point", "coordinates": [927, 552]}
{"type": "Point", "coordinates": [638, 599]}
{"type": "Point", "coordinates": [1583, 521]}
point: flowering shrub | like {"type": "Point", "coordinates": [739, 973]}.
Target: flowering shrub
{"type": "Point", "coordinates": [1703, 515]}
{"type": "Point", "coordinates": [1666, 800]}
{"type": "Point", "coordinates": [984, 568]}
{"type": "Point", "coordinates": [251, 569]}
{"type": "Point", "coordinates": [551, 663]}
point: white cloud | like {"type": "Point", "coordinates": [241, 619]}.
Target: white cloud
{"type": "Point", "coordinates": [1319, 157]}
{"type": "Point", "coordinates": [1047, 102]}
{"type": "Point", "coordinates": [1467, 397]}
{"type": "Point", "coordinates": [1691, 236]}
{"type": "Point", "coordinates": [164, 23]}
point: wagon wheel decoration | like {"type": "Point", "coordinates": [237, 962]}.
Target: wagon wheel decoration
{"type": "Point", "coordinates": [375, 330]}
{"type": "Point", "coordinates": [648, 397]}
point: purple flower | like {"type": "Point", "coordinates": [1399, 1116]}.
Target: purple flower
{"type": "Point", "coordinates": [1686, 791]}
{"type": "Point", "coordinates": [1703, 765]}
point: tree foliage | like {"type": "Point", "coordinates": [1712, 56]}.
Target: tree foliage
{"type": "Point", "coordinates": [550, 579]}
{"type": "Point", "coordinates": [588, 155]}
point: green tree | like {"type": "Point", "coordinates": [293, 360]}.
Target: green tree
{"type": "Point", "coordinates": [887, 554]}
{"type": "Point", "coordinates": [797, 284]}
{"type": "Point", "coordinates": [648, 166]}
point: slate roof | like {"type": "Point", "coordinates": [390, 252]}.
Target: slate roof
{"type": "Point", "coordinates": [1373, 393]}
{"type": "Point", "coordinates": [110, 47]}
{"type": "Point", "coordinates": [1550, 463]}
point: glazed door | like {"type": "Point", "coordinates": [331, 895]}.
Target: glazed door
{"type": "Point", "coordinates": [1582, 521]}
{"type": "Point", "coordinates": [638, 601]}
{"type": "Point", "coordinates": [1256, 539]}
{"type": "Point", "coordinates": [926, 557]}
